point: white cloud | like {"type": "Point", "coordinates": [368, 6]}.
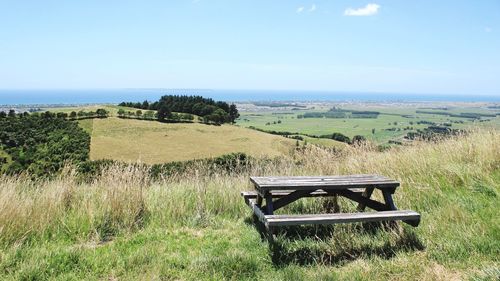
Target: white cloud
{"type": "Point", "coordinates": [300, 10]}
{"type": "Point", "coordinates": [368, 10]}
{"type": "Point", "coordinates": [313, 8]}
{"type": "Point", "coordinates": [488, 29]}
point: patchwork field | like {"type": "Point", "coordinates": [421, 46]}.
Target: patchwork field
{"type": "Point", "coordinates": [393, 122]}
{"type": "Point", "coordinates": [154, 142]}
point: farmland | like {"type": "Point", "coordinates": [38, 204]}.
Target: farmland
{"type": "Point", "coordinates": [393, 122]}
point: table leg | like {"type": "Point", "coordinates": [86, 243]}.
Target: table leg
{"type": "Point", "coordinates": [269, 203]}
{"type": "Point", "coordinates": [259, 200]}
{"type": "Point", "coordinates": [388, 200]}
{"type": "Point", "coordinates": [367, 194]}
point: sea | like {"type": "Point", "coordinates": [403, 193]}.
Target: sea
{"type": "Point", "coordinates": [114, 96]}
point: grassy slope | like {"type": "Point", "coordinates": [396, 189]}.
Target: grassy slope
{"type": "Point", "coordinates": [154, 142]}
{"type": "Point", "coordinates": [122, 226]}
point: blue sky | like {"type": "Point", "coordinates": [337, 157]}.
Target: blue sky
{"type": "Point", "coordinates": [445, 47]}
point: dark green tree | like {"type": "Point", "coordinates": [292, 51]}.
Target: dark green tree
{"type": "Point", "coordinates": [357, 139]}
{"type": "Point", "coordinates": [102, 113]}
{"type": "Point", "coordinates": [233, 113]}
{"type": "Point", "coordinates": [163, 112]}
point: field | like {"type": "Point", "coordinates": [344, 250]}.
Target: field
{"type": "Point", "coordinates": [122, 225]}
{"type": "Point", "coordinates": [393, 123]}
{"type": "Point", "coordinates": [154, 142]}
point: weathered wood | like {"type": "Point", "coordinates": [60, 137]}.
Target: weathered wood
{"type": "Point", "coordinates": [264, 184]}
{"type": "Point", "coordinates": [256, 210]}
{"type": "Point", "coordinates": [358, 188]}
{"type": "Point", "coordinates": [289, 198]}
{"type": "Point", "coordinates": [375, 205]}
{"type": "Point", "coordinates": [259, 200]}
{"type": "Point", "coordinates": [388, 200]}
{"type": "Point", "coordinates": [269, 204]}
{"type": "Point", "coordinates": [280, 193]}
{"type": "Point", "coordinates": [285, 220]}
{"type": "Point", "coordinates": [367, 194]}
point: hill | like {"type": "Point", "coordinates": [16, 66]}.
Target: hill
{"type": "Point", "coordinates": [123, 225]}
{"type": "Point", "coordinates": [153, 142]}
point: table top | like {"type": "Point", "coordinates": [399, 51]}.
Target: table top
{"type": "Point", "coordinates": [323, 182]}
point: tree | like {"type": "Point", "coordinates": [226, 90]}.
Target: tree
{"type": "Point", "coordinates": [12, 113]}
{"type": "Point", "coordinates": [138, 113]}
{"type": "Point", "coordinates": [373, 131]}
{"type": "Point", "coordinates": [121, 112]}
{"type": "Point", "coordinates": [72, 115]}
{"type": "Point", "coordinates": [163, 112]}
{"type": "Point", "coordinates": [3, 114]}
{"type": "Point", "coordinates": [357, 139]}
{"type": "Point", "coordinates": [340, 137]}
{"type": "Point", "coordinates": [233, 113]}
{"type": "Point", "coordinates": [149, 114]}
{"type": "Point", "coordinates": [62, 115]}
{"type": "Point", "coordinates": [101, 113]}
{"type": "Point", "coordinates": [219, 116]}
{"type": "Point", "coordinates": [145, 104]}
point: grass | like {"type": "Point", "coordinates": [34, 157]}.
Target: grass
{"type": "Point", "coordinates": [153, 142]}
{"type": "Point", "coordinates": [123, 225]}
{"type": "Point", "coordinates": [361, 126]}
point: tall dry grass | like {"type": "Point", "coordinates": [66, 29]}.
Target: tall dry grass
{"type": "Point", "coordinates": [124, 199]}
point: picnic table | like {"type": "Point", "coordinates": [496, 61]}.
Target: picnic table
{"type": "Point", "coordinates": [278, 192]}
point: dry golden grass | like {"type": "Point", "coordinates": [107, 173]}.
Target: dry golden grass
{"type": "Point", "coordinates": [198, 218]}
{"type": "Point", "coordinates": [153, 142]}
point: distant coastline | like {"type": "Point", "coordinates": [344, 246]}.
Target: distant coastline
{"type": "Point", "coordinates": [112, 96]}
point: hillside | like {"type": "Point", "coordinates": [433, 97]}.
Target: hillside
{"type": "Point", "coordinates": [153, 142]}
{"type": "Point", "coordinates": [123, 225]}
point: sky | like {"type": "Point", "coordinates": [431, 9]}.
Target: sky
{"type": "Point", "coordinates": [392, 46]}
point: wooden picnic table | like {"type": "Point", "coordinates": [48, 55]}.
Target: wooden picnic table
{"type": "Point", "coordinates": [278, 192]}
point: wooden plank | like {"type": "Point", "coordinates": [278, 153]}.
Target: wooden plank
{"type": "Point", "coordinates": [289, 198]}
{"type": "Point", "coordinates": [256, 210]}
{"type": "Point", "coordinates": [323, 182]}
{"type": "Point", "coordinates": [298, 179]}
{"type": "Point", "coordinates": [339, 187]}
{"type": "Point", "coordinates": [318, 181]}
{"type": "Point", "coordinates": [285, 220]}
{"type": "Point", "coordinates": [375, 205]}
{"type": "Point", "coordinates": [281, 193]}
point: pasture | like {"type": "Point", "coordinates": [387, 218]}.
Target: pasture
{"type": "Point", "coordinates": [392, 124]}
{"type": "Point", "coordinates": [153, 142]}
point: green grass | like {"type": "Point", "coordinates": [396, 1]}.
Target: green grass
{"type": "Point", "coordinates": [352, 126]}
{"type": "Point", "coordinates": [124, 226]}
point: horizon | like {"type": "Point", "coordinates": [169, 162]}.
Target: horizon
{"type": "Point", "coordinates": [443, 48]}
{"type": "Point", "coordinates": [115, 96]}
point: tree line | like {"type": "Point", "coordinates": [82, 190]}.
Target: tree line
{"type": "Point", "coordinates": [153, 115]}
{"type": "Point", "coordinates": [209, 110]}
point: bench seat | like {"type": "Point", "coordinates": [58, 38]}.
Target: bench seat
{"type": "Point", "coordinates": [286, 220]}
